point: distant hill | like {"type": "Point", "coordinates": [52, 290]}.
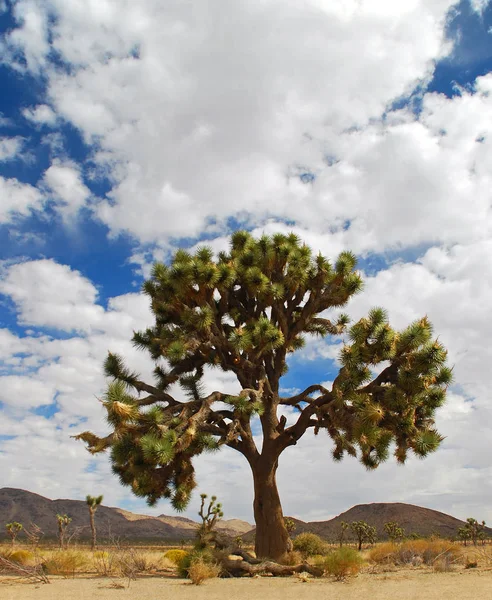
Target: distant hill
{"type": "Point", "coordinates": [413, 519]}
{"type": "Point", "coordinates": [26, 507]}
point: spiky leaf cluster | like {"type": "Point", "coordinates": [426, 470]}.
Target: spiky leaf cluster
{"type": "Point", "coordinates": [246, 309]}
{"type": "Point", "coordinates": [152, 447]}
{"type": "Point", "coordinates": [397, 407]}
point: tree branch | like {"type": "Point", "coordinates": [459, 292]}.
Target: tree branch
{"type": "Point", "coordinates": [304, 396]}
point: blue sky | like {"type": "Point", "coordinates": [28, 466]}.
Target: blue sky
{"type": "Point", "coordinates": [130, 129]}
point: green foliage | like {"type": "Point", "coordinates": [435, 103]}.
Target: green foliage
{"type": "Point", "coordinates": [364, 532]}
{"type": "Point", "coordinates": [394, 531]}
{"type": "Point", "coordinates": [309, 544]}
{"type": "Point", "coordinates": [290, 525]}
{"type": "Point", "coordinates": [472, 530]}
{"type": "Point", "coordinates": [342, 562]}
{"type": "Point", "coordinates": [93, 501]}
{"type": "Point", "coordinates": [176, 555]}
{"type": "Point", "coordinates": [13, 530]}
{"type": "Point", "coordinates": [197, 554]}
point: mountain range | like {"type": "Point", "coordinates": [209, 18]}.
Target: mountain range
{"type": "Point", "coordinates": [26, 508]}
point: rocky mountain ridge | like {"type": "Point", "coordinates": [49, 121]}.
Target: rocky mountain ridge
{"type": "Point", "coordinates": [27, 507]}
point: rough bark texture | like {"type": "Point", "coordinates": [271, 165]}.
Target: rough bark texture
{"type": "Point", "coordinates": [93, 528]}
{"type": "Point", "coordinates": [272, 538]}
{"type": "Point", "coordinates": [236, 568]}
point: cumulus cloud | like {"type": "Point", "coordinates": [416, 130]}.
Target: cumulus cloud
{"type": "Point", "coordinates": [64, 182]}
{"type": "Point", "coordinates": [50, 295]}
{"type": "Point", "coordinates": [18, 199]}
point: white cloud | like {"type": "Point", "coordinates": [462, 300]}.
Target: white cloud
{"type": "Point", "coordinates": [205, 125]}
{"type": "Point", "coordinates": [10, 147]}
{"type": "Point", "coordinates": [65, 183]}
{"type": "Point", "coordinates": [50, 295]}
{"type": "Point", "coordinates": [17, 199]}
{"type": "Point", "coordinates": [31, 38]}
{"type": "Point", "coordinates": [40, 114]}
{"type": "Point", "coordinates": [479, 5]}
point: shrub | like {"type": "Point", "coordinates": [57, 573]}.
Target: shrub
{"type": "Point", "coordinates": [409, 551]}
{"type": "Point", "coordinates": [21, 557]}
{"type": "Point", "coordinates": [65, 562]}
{"type": "Point", "coordinates": [383, 553]}
{"type": "Point", "coordinates": [104, 563]}
{"type": "Point", "coordinates": [309, 544]}
{"type": "Point", "coordinates": [175, 556]}
{"type": "Point", "coordinates": [203, 554]}
{"type": "Point", "coordinates": [199, 571]}
{"type": "Point", "coordinates": [442, 549]}
{"type": "Point", "coordinates": [291, 558]}
{"type": "Point", "coordinates": [342, 562]}
{"type": "Point", "coordinates": [416, 552]}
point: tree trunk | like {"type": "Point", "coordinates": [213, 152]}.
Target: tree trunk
{"type": "Point", "coordinates": [93, 529]}
{"type": "Point", "coordinates": [272, 537]}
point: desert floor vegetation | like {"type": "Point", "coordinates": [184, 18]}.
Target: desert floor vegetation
{"type": "Point", "coordinates": [413, 568]}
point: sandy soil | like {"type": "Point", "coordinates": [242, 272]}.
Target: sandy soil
{"type": "Point", "coordinates": [404, 585]}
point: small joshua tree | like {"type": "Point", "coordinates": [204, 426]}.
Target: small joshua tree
{"type": "Point", "coordinates": [394, 531]}
{"type": "Point", "coordinates": [209, 517]}
{"type": "Point", "coordinates": [464, 534]}
{"type": "Point", "coordinates": [13, 530]}
{"type": "Point", "coordinates": [472, 530]}
{"type": "Point", "coordinates": [93, 503]}
{"type": "Point", "coordinates": [363, 532]}
{"type": "Point", "coordinates": [63, 523]}
{"type": "Point", "coordinates": [290, 525]}
{"type": "Point", "coordinates": [341, 532]}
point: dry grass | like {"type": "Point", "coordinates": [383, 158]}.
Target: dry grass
{"type": "Point", "coordinates": [440, 554]}
{"type": "Point", "coordinates": [291, 558]}
{"type": "Point", "coordinates": [66, 562]}
{"type": "Point", "coordinates": [199, 571]}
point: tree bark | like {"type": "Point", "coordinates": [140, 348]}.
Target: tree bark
{"type": "Point", "coordinates": [272, 537]}
{"type": "Point", "coordinates": [93, 528]}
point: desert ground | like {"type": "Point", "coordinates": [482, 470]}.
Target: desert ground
{"type": "Point", "coordinates": [409, 584]}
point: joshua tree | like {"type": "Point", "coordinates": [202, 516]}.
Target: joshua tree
{"type": "Point", "coordinates": [209, 517]}
{"type": "Point", "coordinates": [472, 530]}
{"type": "Point", "coordinates": [93, 503]}
{"type": "Point", "coordinates": [63, 523]}
{"type": "Point", "coordinates": [245, 312]}
{"type": "Point", "coordinates": [13, 530]}
{"type": "Point", "coordinates": [341, 532]}
{"type": "Point", "coordinates": [394, 531]}
{"type": "Point", "coordinates": [464, 534]}
{"type": "Point", "coordinates": [363, 532]}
